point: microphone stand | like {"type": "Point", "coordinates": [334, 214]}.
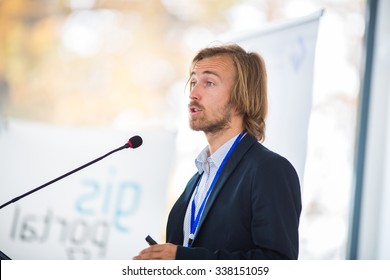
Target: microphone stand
{"type": "Point", "coordinates": [62, 176]}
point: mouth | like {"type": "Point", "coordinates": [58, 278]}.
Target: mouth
{"type": "Point", "coordinates": [194, 110]}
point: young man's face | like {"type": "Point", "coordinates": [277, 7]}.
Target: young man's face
{"type": "Point", "coordinates": [211, 84]}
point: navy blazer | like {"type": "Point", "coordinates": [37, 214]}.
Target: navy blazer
{"type": "Point", "coordinates": [252, 212]}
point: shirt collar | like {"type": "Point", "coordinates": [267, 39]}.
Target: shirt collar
{"type": "Point", "coordinates": [204, 161]}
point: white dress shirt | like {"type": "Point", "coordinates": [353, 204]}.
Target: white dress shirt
{"type": "Point", "coordinates": [207, 166]}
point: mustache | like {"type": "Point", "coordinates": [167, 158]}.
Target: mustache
{"type": "Point", "coordinates": [195, 104]}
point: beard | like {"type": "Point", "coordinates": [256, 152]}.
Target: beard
{"type": "Point", "coordinates": [217, 124]}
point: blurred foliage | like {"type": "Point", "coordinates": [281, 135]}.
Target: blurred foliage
{"type": "Point", "coordinates": [87, 61]}
{"type": "Point", "coordinates": [83, 62]}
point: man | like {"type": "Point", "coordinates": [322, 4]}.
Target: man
{"type": "Point", "coordinates": [244, 202]}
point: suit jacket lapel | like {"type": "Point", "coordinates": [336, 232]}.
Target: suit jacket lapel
{"type": "Point", "coordinates": [190, 189]}
{"type": "Point", "coordinates": [184, 200]}
{"type": "Point", "coordinates": [230, 165]}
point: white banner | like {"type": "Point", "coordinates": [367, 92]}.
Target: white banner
{"type": "Point", "coordinates": [289, 50]}
{"type": "Point", "coordinates": [102, 212]}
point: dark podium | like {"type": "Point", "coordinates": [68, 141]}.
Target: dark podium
{"type": "Point", "coordinates": [4, 256]}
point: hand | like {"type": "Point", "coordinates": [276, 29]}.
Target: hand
{"type": "Point", "coordinates": [158, 252]}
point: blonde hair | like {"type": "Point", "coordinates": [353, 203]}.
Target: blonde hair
{"type": "Point", "coordinates": [249, 94]}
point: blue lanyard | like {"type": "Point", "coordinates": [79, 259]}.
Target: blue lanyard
{"type": "Point", "coordinates": [195, 220]}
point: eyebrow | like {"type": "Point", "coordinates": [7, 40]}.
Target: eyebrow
{"type": "Point", "coordinates": [206, 72]}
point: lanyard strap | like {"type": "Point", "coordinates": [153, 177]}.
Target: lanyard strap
{"type": "Point", "coordinates": [195, 220]}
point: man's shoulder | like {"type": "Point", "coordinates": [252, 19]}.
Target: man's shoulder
{"type": "Point", "coordinates": [260, 154]}
{"type": "Point", "coordinates": [259, 150]}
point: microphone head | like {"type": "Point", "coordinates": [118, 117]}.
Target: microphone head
{"type": "Point", "coordinates": [135, 142]}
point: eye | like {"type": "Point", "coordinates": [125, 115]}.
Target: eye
{"type": "Point", "coordinates": [192, 84]}
{"type": "Point", "coordinates": [210, 84]}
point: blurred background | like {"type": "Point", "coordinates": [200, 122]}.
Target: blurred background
{"type": "Point", "coordinates": [124, 64]}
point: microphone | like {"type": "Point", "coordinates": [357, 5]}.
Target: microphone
{"type": "Point", "coordinates": [133, 143]}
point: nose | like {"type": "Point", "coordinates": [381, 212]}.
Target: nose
{"type": "Point", "coordinates": [194, 93]}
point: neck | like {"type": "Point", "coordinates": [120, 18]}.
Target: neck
{"type": "Point", "coordinates": [217, 139]}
